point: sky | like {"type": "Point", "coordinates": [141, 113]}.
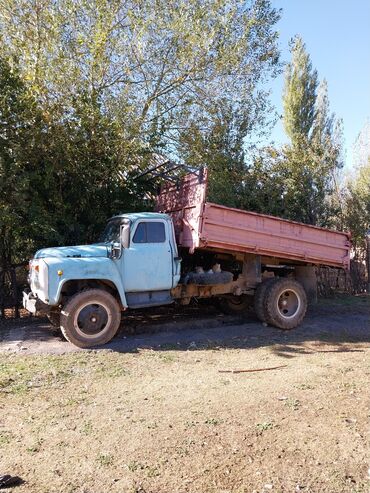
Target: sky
{"type": "Point", "coordinates": [337, 37]}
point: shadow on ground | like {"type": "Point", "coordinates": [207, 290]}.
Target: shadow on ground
{"type": "Point", "coordinates": [335, 325]}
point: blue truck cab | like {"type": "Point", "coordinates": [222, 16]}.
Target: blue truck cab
{"type": "Point", "coordinates": [85, 288]}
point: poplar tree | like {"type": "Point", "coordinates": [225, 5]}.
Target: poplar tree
{"type": "Point", "coordinates": [300, 93]}
{"type": "Point", "coordinates": [312, 160]}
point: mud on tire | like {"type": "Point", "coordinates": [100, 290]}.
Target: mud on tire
{"type": "Point", "coordinates": [90, 318]}
{"type": "Point", "coordinates": [259, 297]}
{"type": "Point", "coordinates": [285, 303]}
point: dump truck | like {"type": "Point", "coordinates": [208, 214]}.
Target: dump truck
{"type": "Point", "coordinates": [187, 249]}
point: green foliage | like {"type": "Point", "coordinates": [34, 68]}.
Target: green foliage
{"type": "Point", "coordinates": [312, 161]}
{"type": "Point", "coordinates": [264, 183]}
{"type": "Point", "coordinates": [148, 63]}
{"type": "Point", "coordinates": [92, 90]}
{"type": "Point", "coordinates": [300, 181]}
{"type": "Point", "coordinates": [59, 180]}
{"type": "Point", "coordinates": [357, 206]}
{"type": "Point", "coordinates": [18, 118]}
{"type": "Point", "coordinates": [299, 95]}
{"type": "Point", "coordinates": [220, 147]}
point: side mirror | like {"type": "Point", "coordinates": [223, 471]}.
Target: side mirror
{"type": "Point", "coordinates": [125, 235]}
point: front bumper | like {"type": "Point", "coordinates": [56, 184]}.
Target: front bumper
{"type": "Point", "coordinates": [33, 304]}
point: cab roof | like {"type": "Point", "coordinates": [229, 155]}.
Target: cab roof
{"type": "Point", "coordinates": [136, 216]}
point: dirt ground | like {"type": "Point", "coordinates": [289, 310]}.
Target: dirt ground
{"type": "Point", "coordinates": [153, 412]}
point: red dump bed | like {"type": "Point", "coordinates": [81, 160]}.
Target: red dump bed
{"type": "Point", "coordinates": [201, 224]}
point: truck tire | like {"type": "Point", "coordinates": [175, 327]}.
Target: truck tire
{"type": "Point", "coordinates": [90, 318]}
{"type": "Point", "coordinates": [235, 305]}
{"type": "Point", "coordinates": [259, 297]}
{"type": "Point", "coordinates": [285, 303]}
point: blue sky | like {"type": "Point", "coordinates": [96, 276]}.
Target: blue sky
{"type": "Point", "coordinates": [337, 37]}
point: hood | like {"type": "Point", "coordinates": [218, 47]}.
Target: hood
{"type": "Point", "coordinates": [81, 251]}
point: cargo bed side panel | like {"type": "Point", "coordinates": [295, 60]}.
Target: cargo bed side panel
{"type": "Point", "coordinates": [243, 231]}
{"type": "Point", "coordinates": [201, 224]}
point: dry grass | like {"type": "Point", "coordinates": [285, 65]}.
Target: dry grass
{"type": "Point", "coordinates": [167, 421]}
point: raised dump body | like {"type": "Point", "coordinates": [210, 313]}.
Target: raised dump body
{"type": "Point", "coordinates": [203, 225]}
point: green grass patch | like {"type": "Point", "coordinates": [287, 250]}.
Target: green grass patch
{"type": "Point", "coordinates": [265, 426]}
{"type": "Point", "coordinates": [5, 437]}
{"type": "Point", "coordinates": [105, 459]}
{"type": "Point", "coordinates": [346, 300]}
{"type": "Point", "coordinates": [21, 374]}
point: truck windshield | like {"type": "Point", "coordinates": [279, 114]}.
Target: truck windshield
{"type": "Point", "coordinates": [111, 231]}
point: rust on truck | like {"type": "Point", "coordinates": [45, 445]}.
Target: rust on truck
{"type": "Point", "coordinates": [204, 225]}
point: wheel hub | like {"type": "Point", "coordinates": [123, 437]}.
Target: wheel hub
{"type": "Point", "coordinates": [92, 319]}
{"type": "Point", "coordinates": [288, 303]}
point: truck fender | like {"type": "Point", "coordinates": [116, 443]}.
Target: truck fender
{"type": "Point", "coordinates": [116, 285]}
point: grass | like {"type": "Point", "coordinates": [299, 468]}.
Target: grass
{"type": "Point", "coordinates": [213, 421]}
{"type": "Point", "coordinates": [167, 357]}
{"type": "Point", "coordinates": [105, 459]}
{"type": "Point", "coordinates": [160, 421]}
{"type": "Point", "coordinates": [6, 437]}
{"type": "Point", "coordinates": [293, 404]}
{"type": "Point", "coordinates": [135, 466]}
{"type": "Point", "coordinates": [17, 377]}
{"type": "Point", "coordinates": [345, 300]}
{"type": "Point", "coordinates": [35, 447]}
{"type": "Point", "coordinates": [87, 428]}
{"type": "Point", "coordinates": [266, 425]}
{"type": "Point", "coordinates": [150, 471]}
{"type": "Point", "coordinates": [305, 386]}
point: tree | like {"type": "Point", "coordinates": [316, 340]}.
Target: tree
{"type": "Point", "coordinates": [299, 96]}
{"type": "Point", "coordinates": [147, 63]}
{"type": "Point", "coordinates": [357, 206]}
{"type": "Point", "coordinates": [327, 145]}
{"type": "Point", "coordinates": [19, 116]}
{"type": "Point", "coordinates": [312, 160]}
{"type": "Point", "coordinates": [357, 191]}
{"type": "Point", "coordinates": [220, 147]}
{"type": "Point", "coordinates": [108, 84]}
{"type": "Point", "coordinates": [59, 182]}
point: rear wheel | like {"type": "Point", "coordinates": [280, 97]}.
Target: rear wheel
{"type": "Point", "coordinates": [90, 318]}
{"type": "Point", "coordinates": [235, 305]}
{"type": "Point", "coordinates": [285, 303]}
{"type": "Point", "coordinates": [259, 297]}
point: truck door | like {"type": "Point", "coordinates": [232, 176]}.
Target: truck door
{"type": "Point", "coordinates": [148, 263]}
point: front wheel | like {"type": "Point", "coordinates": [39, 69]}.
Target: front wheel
{"type": "Point", "coordinates": [285, 303]}
{"type": "Point", "coordinates": [90, 318]}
